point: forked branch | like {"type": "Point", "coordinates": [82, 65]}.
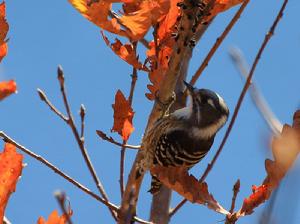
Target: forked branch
{"type": "Point", "coordinates": [79, 137]}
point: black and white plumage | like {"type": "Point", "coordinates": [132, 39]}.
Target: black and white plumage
{"type": "Point", "coordinates": [185, 136]}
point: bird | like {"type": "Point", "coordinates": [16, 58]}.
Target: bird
{"type": "Point", "coordinates": [184, 137]}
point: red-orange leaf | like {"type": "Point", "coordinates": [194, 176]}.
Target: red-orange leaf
{"type": "Point", "coordinates": [147, 13]}
{"type": "Point", "coordinates": [3, 51]}
{"type": "Point", "coordinates": [10, 171]}
{"type": "Point", "coordinates": [260, 195]}
{"type": "Point", "coordinates": [179, 180]}
{"type": "Point", "coordinates": [168, 22]}
{"type": "Point", "coordinates": [7, 88]}
{"type": "Point", "coordinates": [125, 51]}
{"type": "Point", "coordinates": [3, 31]}
{"type": "Point", "coordinates": [123, 115]}
{"type": "Point", "coordinates": [98, 13]}
{"type": "Point", "coordinates": [54, 218]}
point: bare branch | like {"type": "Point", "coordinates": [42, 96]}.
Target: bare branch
{"type": "Point", "coordinates": [236, 189]}
{"type": "Point", "coordinates": [272, 121]}
{"type": "Point", "coordinates": [79, 139]}
{"type": "Point", "coordinates": [218, 43]}
{"type": "Point", "coordinates": [6, 138]}
{"type": "Point", "coordinates": [61, 199]}
{"type": "Point", "coordinates": [240, 100]}
{"type": "Point", "coordinates": [110, 139]}
{"type": "Point", "coordinates": [80, 186]}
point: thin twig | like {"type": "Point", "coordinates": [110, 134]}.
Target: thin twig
{"type": "Point", "coordinates": [238, 105]}
{"type": "Point", "coordinates": [123, 148]}
{"type": "Point", "coordinates": [235, 189]}
{"type": "Point", "coordinates": [272, 121]}
{"type": "Point", "coordinates": [44, 98]}
{"type": "Point", "coordinates": [82, 116]}
{"type": "Point", "coordinates": [65, 176]}
{"type": "Point", "coordinates": [122, 161]}
{"type": "Point", "coordinates": [6, 138]}
{"type": "Point", "coordinates": [61, 199]}
{"type": "Point", "coordinates": [218, 43]}
{"type": "Point", "coordinates": [110, 139]}
{"type": "Point", "coordinates": [80, 140]}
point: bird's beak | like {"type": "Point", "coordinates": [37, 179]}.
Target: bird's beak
{"type": "Point", "coordinates": [189, 87]}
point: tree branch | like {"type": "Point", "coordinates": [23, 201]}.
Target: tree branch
{"type": "Point", "coordinates": [272, 121]}
{"type": "Point", "coordinates": [65, 176]}
{"type": "Point", "coordinates": [110, 139]}
{"type": "Point", "coordinates": [6, 138]}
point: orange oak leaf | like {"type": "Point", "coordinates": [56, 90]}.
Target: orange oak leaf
{"type": "Point", "coordinates": [3, 51]}
{"type": "Point", "coordinates": [125, 52]}
{"type": "Point", "coordinates": [3, 31]}
{"type": "Point", "coordinates": [167, 24]}
{"type": "Point", "coordinates": [221, 6]}
{"type": "Point", "coordinates": [7, 88]}
{"type": "Point", "coordinates": [179, 180]}
{"type": "Point", "coordinates": [260, 195]}
{"type": "Point", "coordinates": [54, 218]}
{"type": "Point", "coordinates": [10, 171]}
{"type": "Point", "coordinates": [98, 12]}
{"type": "Point", "coordinates": [146, 14]}
{"type": "Point", "coordinates": [123, 115]}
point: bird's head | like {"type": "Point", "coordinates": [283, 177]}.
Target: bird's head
{"type": "Point", "coordinates": [208, 109]}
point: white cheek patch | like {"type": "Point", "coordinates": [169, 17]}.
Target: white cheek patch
{"type": "Point", "coordinates": [221, 101]}
{"type": "Point", "coordinates": [210, 102]}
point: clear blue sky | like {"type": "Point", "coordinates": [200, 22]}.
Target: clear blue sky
{"type": "Point", "coordinates": [43, 35]}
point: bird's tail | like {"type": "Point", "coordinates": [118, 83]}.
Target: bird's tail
{"type": "Point", "coordinates": [155, 185]}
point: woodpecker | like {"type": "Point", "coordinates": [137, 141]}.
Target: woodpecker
{"type": "Point", "coordinates": [184, 137]}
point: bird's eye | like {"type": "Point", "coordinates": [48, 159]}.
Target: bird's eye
{"type": "Point", "coordinates": [203, 100]}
